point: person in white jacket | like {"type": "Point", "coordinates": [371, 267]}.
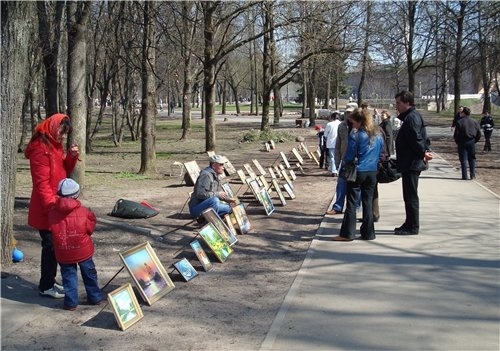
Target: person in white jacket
{"type": "Point", "coordinates": [331, 138]}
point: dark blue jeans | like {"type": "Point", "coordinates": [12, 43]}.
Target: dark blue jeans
{"type": "Point", "coordinates": [70, 282]}
{"type": "Point", "coordinates": [48, 263]}
{"type": "Point", "coordinates": [364, 186]}
{"type": "Point", "coordinates": [467, 154]}
{"type": "Point", "coordinates": [220, 207]}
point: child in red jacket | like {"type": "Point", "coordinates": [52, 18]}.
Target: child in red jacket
{"type": "Point", "coordinates": [72, 225]}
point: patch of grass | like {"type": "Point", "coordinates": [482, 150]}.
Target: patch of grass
{"type": "Point", "coordinates": [129, 175]}
{"type": "Point", "coordinates": [161, 154]}
{"type": "Point", "coordinates": [270, 134]}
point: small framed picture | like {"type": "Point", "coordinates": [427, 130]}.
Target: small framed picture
{"type": "Point", "coordinates": [148, 273]}
{"type": "Point", "coordinates": [271, 142]}
{"type": "Point", "coordinates": [268, 147]}
{"type": "Point", "coordinates": [277, 188]}
{"type": "Point", "coordinates": [267, 201]}
{"type": "Point", "coordinates": [289, 190]}
{"type": "Point", "coordinates": [212, 217]}
{"type": "Point", "coordinates": [185, 269]}
{"type": "Point", "coordinates": [241, 218]}
{"type": "Point", "coordinates": [229, 191]}
{"type": "Point", "coordinates": [215, 242]}
{"type": "Point", "coordinates": [193, 171]}
{"type": "Point", "coordinates": [201, 254]}
{"type": "Point", "coordinates": [285, 160]}
{"type": "Point", "coordinates": [229, 223]}
{"type": "Point", "coordinates": [254, 185]}
{"type": "Point", "coordinates": [125, 306]}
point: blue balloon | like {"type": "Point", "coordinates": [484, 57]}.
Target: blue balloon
{"type": "Point", "coordinates": [17, 255]}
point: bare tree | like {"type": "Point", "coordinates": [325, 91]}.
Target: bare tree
{"type": "Point", "coordinates": [16, 33]}
{"type": "Point", "coordinates": [77, 22]}
{"type": "Point", "coordinates": [49, 23]}
{"type": "Point", "coordinates": [148, 110]}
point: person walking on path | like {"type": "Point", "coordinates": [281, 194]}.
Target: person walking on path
{"type": "Point", "coordinates": [331, 138]}
{"type": "Point", "coordinates": [340, 148]}
{"type": "Point", "coordinates": [72, 225]}
{"type": "Point", "coordinates": [49, 164]}
{"type": "Point", "coordinates": [208, 192]}
{"type": "Point", "coordinates": [487, 124]}
{"type": "Point", "coordinates": [467, 134]}
{"type": "Point", "coordinates": [412, 155]}
{"type": "Point", "coordinates": [365, 145]}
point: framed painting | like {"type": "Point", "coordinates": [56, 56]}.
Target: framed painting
{"type": "Point", "coordinates": [215, 242]}
{"type": "Point", "coordinates": [289, 190]}
{"type": "Point", "coordinates": [201, 255]}
{"type": "Point", "coordinates": [241, 218]}
{"type": "Point", "coordinates": [229, 191]}
{"type": "Point", "coordinates": [148, 273]}
{"type": "Point", "coordinates": [192, 171]}
{"type": "Point", "coordinates": [229, 168]}
{"type": "Point", "coordinates": [267, 201]}
{"type": "Point", "coordinates": [249, 170]}
{"type": "Point", "coordinates": [229, 223]}
{"type": "Point", "coordinates": [285, 160]}
{"type": "Point", "coordinates": [271, 172]}
{"type": "Point", "coordinates": [297, 156]}
{"type": "Point", "coordinates": [254, 185]}
{"type": "Point", "coordinates": [212, 217]}
{"type": "Point", "coordinates": [125, 306]}
{"type": "Point", "coordinates": [185, 269]}
{"type": "Point", "coordinates": [277, 188]}
{"type": "Point", "coordinates": [259, 167]}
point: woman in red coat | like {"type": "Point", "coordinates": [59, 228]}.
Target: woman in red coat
{"type": "Point", "coordinates": [49, 164]}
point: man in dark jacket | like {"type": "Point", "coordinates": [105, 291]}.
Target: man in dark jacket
{"type": "Point", "coordinates": [467, 134]}
{"type": "Point", "coordinates": [208, 192]}
{"type": "Point", "coordinates": [412, 153]}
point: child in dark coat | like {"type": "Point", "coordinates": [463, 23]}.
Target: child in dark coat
{"type": "Point", "coordinates": [72, 225]}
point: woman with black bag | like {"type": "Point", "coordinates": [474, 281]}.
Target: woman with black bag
{"type": "Point", "coordinates": [364, 149]}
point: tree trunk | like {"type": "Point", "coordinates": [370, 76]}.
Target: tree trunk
{"type": "Point", "coordinates": [77, 20]}
{"type": "Point", "coordinates": [49, 30]}
{"type": "Point", "coordinates": [16, 26]}
{"type": "Point", "coordinates": [209, 75]}
{"type": "Point", "coordinates": [148, 109]}
{"type": "Point", "coordinates": [458, 55]}
{"type": "Point", "coordinates": [364, 64]}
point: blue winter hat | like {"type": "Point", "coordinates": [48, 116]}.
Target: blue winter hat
{"type": "Point", "coordinates": [68, 188]}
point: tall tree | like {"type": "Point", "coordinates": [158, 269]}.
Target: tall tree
{"type": "Point", "coordinates": [49, 29]}
{"type": "Point", "coordinates": [77, 22]}
{"type": "Point", "coordinates": [148, 109]}
{"type": "Point", "coordinates": [16, 24]}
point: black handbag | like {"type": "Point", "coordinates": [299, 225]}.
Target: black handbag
{"type": "Point", "coordinates": [348, 171]}
{"type": "Point", "coordinates": [388, 172]}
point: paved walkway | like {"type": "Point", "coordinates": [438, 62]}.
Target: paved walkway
{"type": "Point", "coordinates": [435, 291]}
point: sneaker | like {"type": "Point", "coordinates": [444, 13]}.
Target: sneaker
{"type": "Point", "coordinates": [59, 287]}
{"type": "Point", "coordinates": [52, 292]}
{"type": "Point", "coordinates": [69, 308]}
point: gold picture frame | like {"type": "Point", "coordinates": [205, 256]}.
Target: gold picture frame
{"type": "Point", "coordinates": [192, 172]}
{"type": "Point", "coordinates": [212, 217]}
{"type": "Point", "coordinates": [216, 242]}
{"type": "Point", "coordinates": [125, 306]}
{"type": "Point", "coordinates": [201, 255]}
{"type": "Point", "coordinates": [242, 221]}
{"type": "Point", "coordinates": [150, 277]}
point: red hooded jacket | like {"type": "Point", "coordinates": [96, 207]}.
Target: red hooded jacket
{"type": "Point", "coordinates": [72, 225]}
{"type": "Point", "coordinates": [48, 165]}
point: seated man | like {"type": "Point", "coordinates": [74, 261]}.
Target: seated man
{"type": "Point", "coordinates": [208, 192]}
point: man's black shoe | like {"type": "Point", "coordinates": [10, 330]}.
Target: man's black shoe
{"type": "Point", "coordinates": [403, 230]}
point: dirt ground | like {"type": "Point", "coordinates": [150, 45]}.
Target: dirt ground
{"type": "Point", "coordinates": [230, 307]}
